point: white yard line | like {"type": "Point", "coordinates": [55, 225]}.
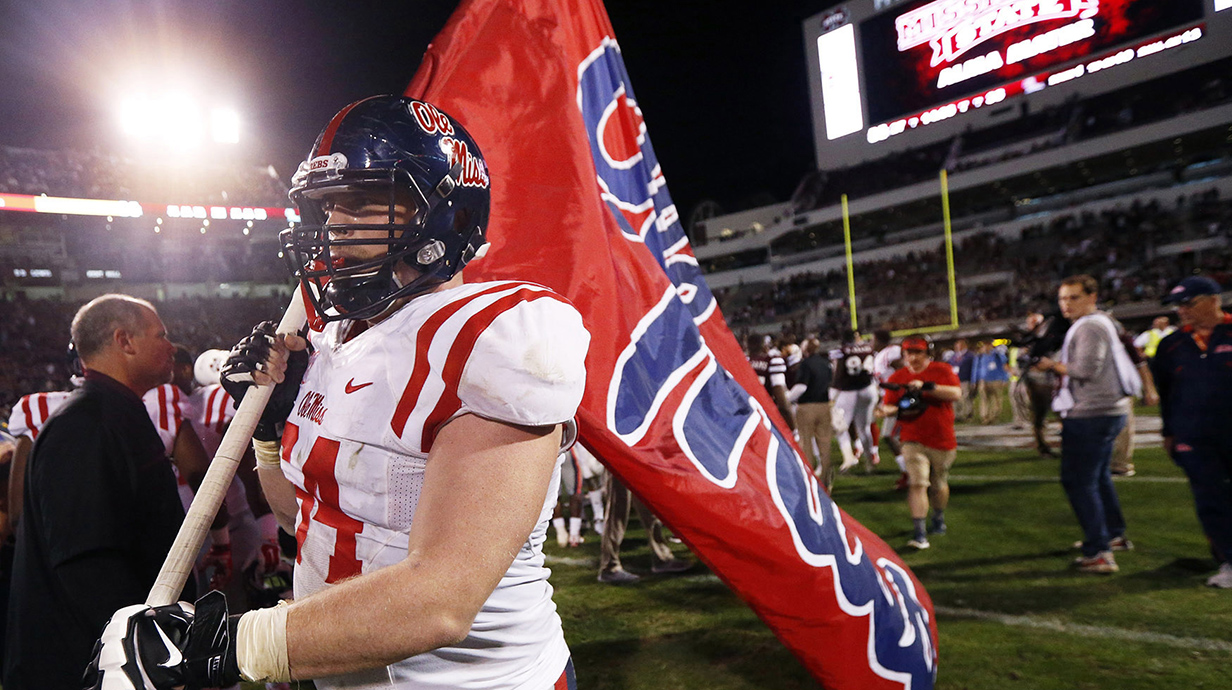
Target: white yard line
{"type": "Point", "coordinates": [575, 562]}
{"type": "Point", "coordinates": [1054, 478]}
{"type": "Point", "coordinates": [1040, 623]}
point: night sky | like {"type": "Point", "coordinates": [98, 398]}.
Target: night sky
{"type": "Point", "coordinates": [722, 84]}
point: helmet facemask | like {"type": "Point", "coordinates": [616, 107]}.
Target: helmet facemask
{"type": "Point", "coordinates": [363, 288]}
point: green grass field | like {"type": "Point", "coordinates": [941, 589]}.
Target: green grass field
{"type": "Point", "coordinates": [1011, 613]}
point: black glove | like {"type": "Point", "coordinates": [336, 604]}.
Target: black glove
{"type": "Point", "coordinates": [167, 647]}
{"type": "Point", "coordinates": [251, 354]}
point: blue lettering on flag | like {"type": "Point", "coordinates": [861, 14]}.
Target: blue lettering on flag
{"type": "Point", "coordinates": [632, 183]}
{"type": "Point", "coordinates": [717, 422]}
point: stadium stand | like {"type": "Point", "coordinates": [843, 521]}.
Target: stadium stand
{"type": "Point", "coordinates": [210, 287]}
{"type": "Point", "coordinates": [93, 175]}
{"type": "Point", "coordinates": [1132, 186]}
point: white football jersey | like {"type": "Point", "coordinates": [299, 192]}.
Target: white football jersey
{"type": "Point", "coordinates": [358, 439]}
{"type": "Point", "coordinates": [31, 412]}
{"type": "Point", "coordinates": [882, 360]}
{"type": "Point", "coordinates": [163, 405]}
{"type": "Point", "coordinates": [210, 410]}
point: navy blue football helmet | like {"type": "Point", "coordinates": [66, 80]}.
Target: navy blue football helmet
{"type": "Point", "coordinates": [409, 153]}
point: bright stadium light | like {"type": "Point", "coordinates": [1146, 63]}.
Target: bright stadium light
{"type": "Point", "coordinates": [181, 122]}
{"type": "Point", "coordinates": [225, 125]}
{"type": "Point", "coordinates": [177, 120]}
{"type": "Point", "coordinates": [134, 116]}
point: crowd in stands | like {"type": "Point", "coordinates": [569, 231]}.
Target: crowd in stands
{"type": "Point", "coordinates": [96, 175]}
{"type": "Point", "coordinates": [1117, 245]}
{"type": "Point", "coordinates": [34, 336]}
{"type": "Point", "coordinates": [1195, 89]}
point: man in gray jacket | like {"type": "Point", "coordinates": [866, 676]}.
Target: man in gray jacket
{"type": "Point", "coordinates": [1094, 400]}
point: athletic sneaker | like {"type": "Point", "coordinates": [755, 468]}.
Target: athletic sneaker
{"type": "Point", "coordinates": [1221, 579]}
{"type": "Point", "coordinates": [1114, 544]}
{"type": "Point", "coordinates": [937, 527]}
{"type": "Point", "coordinates": [619, 576]}
{"type": "Point", "coordinates": [676, 565]}
{"type": "Point", "coordinates": [919, 542]}
{"type": "Point", "coordinates": [1102, 563]}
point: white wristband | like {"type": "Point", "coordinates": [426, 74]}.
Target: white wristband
{"type": "Point", "coordinates": [261, 645]}
{"type": "Point", "coordinates": [267, 454]}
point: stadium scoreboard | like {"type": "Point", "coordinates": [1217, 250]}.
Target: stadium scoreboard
{"type": "Point", "coordinates": [891, 74]}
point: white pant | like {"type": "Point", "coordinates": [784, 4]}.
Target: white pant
{"type": "Point", "coordinates": [855, 408]}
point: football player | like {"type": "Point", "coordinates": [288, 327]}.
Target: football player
{"type": "Point", "coordinates": [771, 372]}
{"type": "Point", "coordinates": [25, 422]}
{"type": "Point", "coordinates": [418, 449]}
{"type": "Point", "coordinates": [855, 399]}
{"type": "Point", "coordinates": [889, 359]}
{"type": "Point", "coordinates": [167, 407]}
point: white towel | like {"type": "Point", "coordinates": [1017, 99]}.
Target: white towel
{"type": "Point", "coordinates": [1131, 381]}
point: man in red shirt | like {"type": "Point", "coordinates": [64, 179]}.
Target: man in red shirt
{"type": "Point", "coordinates": [923, 401]}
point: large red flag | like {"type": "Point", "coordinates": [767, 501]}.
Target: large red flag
{"type": "Point", "coordinates": [580, 204]}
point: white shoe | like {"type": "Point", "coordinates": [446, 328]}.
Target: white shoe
{"type": "Point", "coordinates": [1221, 579]}
{"type": "Point", "coordinates": [919, 543]}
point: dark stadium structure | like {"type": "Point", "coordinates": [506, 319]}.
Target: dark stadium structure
{"type": "Point", "coordinates": [1120, 167]}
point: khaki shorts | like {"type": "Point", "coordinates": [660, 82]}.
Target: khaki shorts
{"type": "Point", "coordinates": [924, 463]}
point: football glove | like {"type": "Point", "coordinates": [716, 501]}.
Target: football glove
{"type": "Point", "coordinates": [252, 354]}
{"type": "Point", "coordinates": [268, 577]}
{"type": "Point", "coordinates": [166, 647]}
{"type": "Point", "coordinates": [217, 566]}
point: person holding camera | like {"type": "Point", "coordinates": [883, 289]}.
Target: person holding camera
{"type": "Point", "coordinates": [1043, 336]}
{"type": "Point", "coordinates": [921, 395]}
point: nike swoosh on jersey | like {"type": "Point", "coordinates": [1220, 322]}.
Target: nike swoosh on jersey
{"type": "Point", "coordinates": [174, 658]}
{"type": "Point", "coordinates": [351, 387]}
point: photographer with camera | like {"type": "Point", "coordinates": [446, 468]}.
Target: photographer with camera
{"type": "Point", "coordinates": [922, 395]}
{"type": "Point", "coordinates": [1042, 338]}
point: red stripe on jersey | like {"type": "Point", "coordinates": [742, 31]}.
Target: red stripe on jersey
{"type": "Point", "coordinates": [422, 367]}
{"type": "Point", "coordinates": [290, 436]}
{"type": "Point", "coordinates": [223, 402]}
{"type": "Point", "coordinates": [162, 408]}
{"type": "Point", "coordinates": [43, 412]}
{"type": "Point", "coordinates": [25, 408]}
{"type": "Point", "coordinates": [175, 408]}
{"type": "Point", "coordinates": [207, 419]}
{"type": "Point", "coordinates": [212, 419]}
{"type": "Point", "coordinates": [460, 352]}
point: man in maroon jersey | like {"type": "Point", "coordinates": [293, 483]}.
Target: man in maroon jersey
{"type": "Point", "coordinates": [856, 399]}
{"type": "Point", "coordinates": [771, 371]}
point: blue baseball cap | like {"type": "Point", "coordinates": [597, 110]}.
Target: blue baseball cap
{"type": "Point", "coordinates": [1191, 287]}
